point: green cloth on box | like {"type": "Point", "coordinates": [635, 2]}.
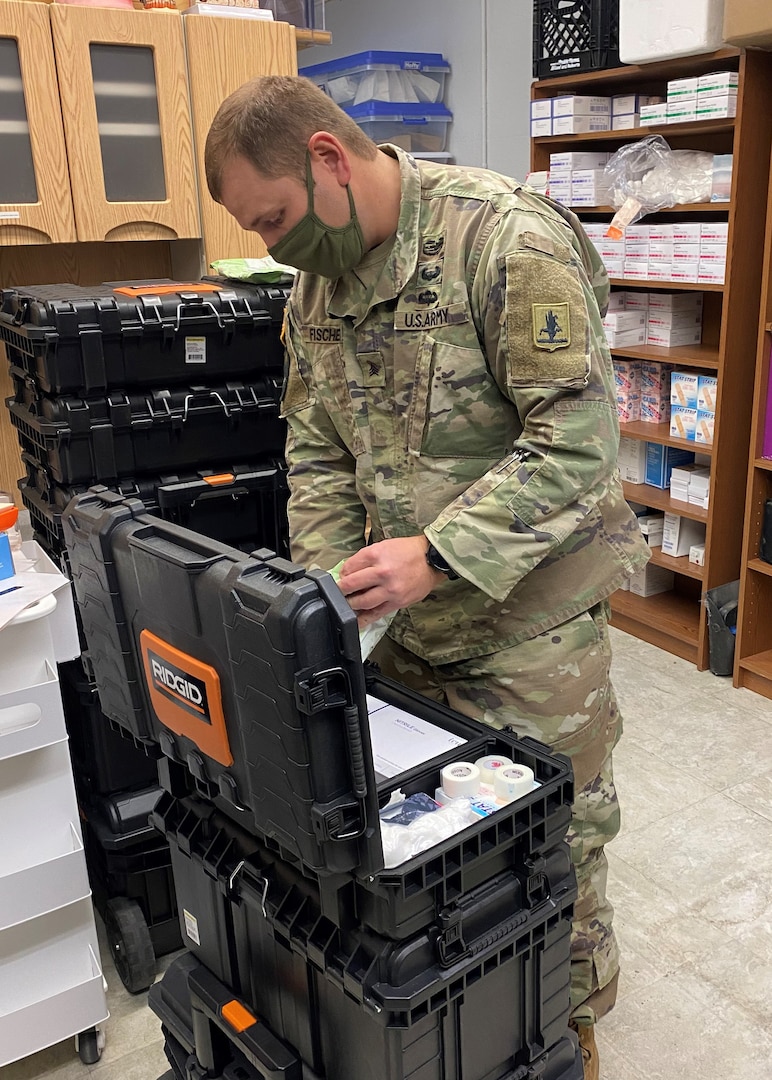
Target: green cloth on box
{"type": "Point", "coordinates": [259, 271]}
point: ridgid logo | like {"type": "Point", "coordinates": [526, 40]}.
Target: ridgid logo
{"type": "Point", "coordinates": [182, 688]}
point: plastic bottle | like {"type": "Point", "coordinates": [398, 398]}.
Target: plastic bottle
{"type": "Point", "coordinates": [14, 533]}
{"type": "Point", "coordinates": [8, 517]}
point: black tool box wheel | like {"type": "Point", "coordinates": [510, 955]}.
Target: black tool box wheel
{"type": "Point", "coordinates": [130, 944]}
{"type": "Point", "coordinates": [89, 1045]}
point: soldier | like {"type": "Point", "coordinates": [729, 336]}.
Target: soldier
{"type": "Point", "coordinates": [452, 438]}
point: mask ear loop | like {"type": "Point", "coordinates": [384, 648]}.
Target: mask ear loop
{"type": "Point", "coordinates": [310, 190]}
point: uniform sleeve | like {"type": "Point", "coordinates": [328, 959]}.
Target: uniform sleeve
{"type": "Point", "coordinates": [326, 518]}
{"type": "Point", "coordinates": [544, 341]}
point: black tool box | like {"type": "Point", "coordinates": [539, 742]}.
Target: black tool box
{"type": "Point", "coordinates": [242, 505]}
{"type": "Point", "coordinates": [88, 339]}
{"type": "Point", "coordinates": [247, 671]}
{"type": "Point", "coordinates": [129, 866]}
{"type": "Point", "coordinates": [487, 983]}
{"type": "Point", "coordinates": [96, 440]}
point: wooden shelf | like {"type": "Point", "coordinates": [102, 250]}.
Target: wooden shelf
{"type": "Point", "coordinates": [679, 208]}
{"type": "Point", "coordinates": [659, 499]}
{"type": "Point", "coordinates": [305, 38]}
{"type": "Point", "coordinates": [763, 463]}
{"type": "Point", "coordinates": [681, 565]}
{"type": "Point", "coordinates": [694, 127]}
{"type": "Point", "coordinates": [702, 356]}
{"type": "Point", "coordinates": [760, 567]}
{"type": "Point", "coordinates": [660, 433]}
{"type": "Point", "coordinates": [636, 283]}
{"type": "Point", "coordinates": [668, 620]}
{"type": "Point", "coordinates": [637, 74]}
{"type": "Point", "coordinates": [759, 664]}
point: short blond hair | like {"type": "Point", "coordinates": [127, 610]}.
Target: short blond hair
{"type": "Point", "coordinates": [268, 121]}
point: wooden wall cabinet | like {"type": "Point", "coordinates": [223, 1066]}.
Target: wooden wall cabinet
{"type": "Point", "coordinates": [224, 53]}
{"type": "Point", "coordinates": [124, 99]}
{"type": "Point", "coordinates": [35, 202]}
{"type": "Point", "coordinates": [675, 620]}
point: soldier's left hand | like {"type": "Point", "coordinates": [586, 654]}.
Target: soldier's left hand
{"type": "Point", "coordinates": [387, 576]}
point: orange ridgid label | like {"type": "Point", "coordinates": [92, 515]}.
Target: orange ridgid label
{"type": "Point", "coordinates": [186, 696]}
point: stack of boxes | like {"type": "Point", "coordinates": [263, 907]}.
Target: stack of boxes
{"type": "Point", "coordinates": [684, 252]}
{"type": "Point", "coordinates": [693, 406]}
{"type": "Point", "coordinates": [578, 179]}
{"type": "Point", "coordinates": [573, 114]}
{"type": "Point", "coordinates": [668, 319]}
{"type": "Point", "coordinates": [702, 97]}
{"type": "Point", "coordinates": [690, 483]}
{"type": "Point", "coordinates": [626, 110]}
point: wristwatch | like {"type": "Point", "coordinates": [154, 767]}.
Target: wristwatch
{"type": "Point", "coordinates": [436, 561]}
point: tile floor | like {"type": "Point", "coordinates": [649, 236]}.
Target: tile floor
{"type": "Point", "coordinates": [690, 875]}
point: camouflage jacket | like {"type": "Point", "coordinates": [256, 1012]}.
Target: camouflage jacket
{"type": "Point", "coordinates": [471, 397]}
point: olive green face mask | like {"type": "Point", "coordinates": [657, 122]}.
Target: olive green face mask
{"type": "Point", "coordinates": [321, 249]}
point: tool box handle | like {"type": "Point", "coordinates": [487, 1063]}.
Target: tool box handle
{"type": "Point", "coordinates": [212, 1004]}
{"type": "Point", "coordinates": [166, 290]}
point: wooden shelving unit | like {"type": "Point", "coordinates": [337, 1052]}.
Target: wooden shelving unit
{"type": "Point", "coordinates": [675, 620]}
{"type": "Point", "coordinates": [753, 648]}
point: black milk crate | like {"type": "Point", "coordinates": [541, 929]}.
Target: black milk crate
{"type": "Point", "coordinates": [128, 858]}
{"type": "Point", "coordinates": [88, 339]}
{"type": "Point", "coordinates": [249, 676]}
{"type": "Point", "coordinates": [574, 35]}
{"type": "Point", "coordinates": [95, 440]}
{"type": "Point", "coordinates": [105, 758]}
{"type": "Point", "coordinates": [245, 505]}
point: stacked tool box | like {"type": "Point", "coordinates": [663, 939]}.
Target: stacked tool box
{"type": "Point", "coordinates": [248, 676]}
{"type": "Point", "coordinates": [168, 392]}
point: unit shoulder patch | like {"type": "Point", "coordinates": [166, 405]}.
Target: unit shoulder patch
{"type": "Point", "coordinates": [551, 326]}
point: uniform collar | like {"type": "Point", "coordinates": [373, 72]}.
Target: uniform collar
{"type": "Point", "coordinates": [403, 259]}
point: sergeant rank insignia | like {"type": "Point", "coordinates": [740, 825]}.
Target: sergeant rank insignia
{"type": "Point", "coordinates": [551, 326]}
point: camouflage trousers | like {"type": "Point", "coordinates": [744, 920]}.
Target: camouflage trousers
{"type": "Point", "coordinates": [555, 688]}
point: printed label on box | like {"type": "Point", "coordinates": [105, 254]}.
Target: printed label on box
{"type": "Point", "coordinates": [683, 422]}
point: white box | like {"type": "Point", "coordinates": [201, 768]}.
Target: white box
{"type": "Point", "coordinates": [615, 265]}
{"type": "Point", "coordinates": [655, 378]}
{"type": "Point", "coordinates": [625, 121]}
{"type": "Point", "coordinates": [674, 320]}
{"type": "Point", "coordinates": [713, 249]}
{"type": "Point", "coordinates": [721, 82]}
{"type": "Point", "coordinates": [540, 128]}
{"type": "Point", "coordinates": [655, 409]}
{"type": "Point", "coordinates": [660, 29]}
{"type": "Point", "coordinates": [697, 554]}
{"type": "Point", "coordinates": [579, 125]}
{"type": "Point", "coordinates": [660, 251]}
{"type": "Point", "coordinates": [632, 460]}
{"type": "Point", "coordinates": [617, 321]}
{"type": "Point", "coordinates": [681, 112]}
{"type": "Point", "coordinates": [577, 159]}
{"type": "Point", "coordinates": [652, 527]}
{"type": "Point", "coordinates": [711, 273]}
{"type": "Point", "coordinates": [636, 249]}
{"type": "Point", "coordinates": [685, 232]}
{"type": "Point", "coordinates": [661, 270]}
{"type": "Point", "coordinates": [637, 232]}
{"type": "Point", "coordinates": [628, 408]}
{"type": "Point", "coordinates": [714, 232]}
{"type": "Point", "coordinates": [704, 427]}
{"type": "Point", "coordinates": [627, 376]}
{"type": "Point", "coordinates": [661, 232]}
{"type": "Point", "coordinates": [651, 580]}
{"type": "Point", "coordinates": [682, 89]}
{"type": "Point", "coordinates": [680, 301]}
{"type": "Point", "coordinates": [651, 115]}
{"type": "Point", "coordinates": [682, 422]}
{"type": "Point", "coordinates": [622, 104]}
{"type": "Point", "coordinates": [686, 271]}
{"type": "Point", "coordinates": [636, 269]}
{"type": "Point", "coordinates": [717, 108]}
{"type": "Point", "coordinates": [679, 534]}
{"type": "Point", "coordinates": [581, 105]}
{"type": "Point", "coordinates": [666, 338]}
{"type": "Point", "coordinates": [626, 339]}
{"type": "Point", "coordinates": [541, 109]}
{"type": "Point", "coordinates": [707, 393]}
{"type": "Point", "coordinates": [617, 302]}
{"type": "Point", "coordinates": [637, 301]}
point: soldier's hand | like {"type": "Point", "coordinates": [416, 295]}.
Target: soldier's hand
{"type": "Point", "coordinates": [387, 576]}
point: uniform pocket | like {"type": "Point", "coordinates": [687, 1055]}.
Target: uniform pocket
{"type": "Point", "coordinates": [458, 410]}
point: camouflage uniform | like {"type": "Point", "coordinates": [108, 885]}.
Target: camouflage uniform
{"type": "Point", "coordinates": [459, 384]}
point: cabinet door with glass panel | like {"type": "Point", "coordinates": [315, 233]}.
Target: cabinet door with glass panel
{"type": "Point", "coordinates": [124, 100]}
{"type": "Point", "coordinates": [35, 202]}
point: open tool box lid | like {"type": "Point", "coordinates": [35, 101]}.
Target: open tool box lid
{"type": "Point", "coordinates": [247, 670]}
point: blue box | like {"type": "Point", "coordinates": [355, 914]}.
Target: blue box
{"type": "Point", "coordinates": [660, 461]}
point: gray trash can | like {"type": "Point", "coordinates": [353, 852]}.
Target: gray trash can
{"type": "Point", "coordinates": [721, 605]}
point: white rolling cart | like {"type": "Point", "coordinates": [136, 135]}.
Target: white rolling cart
{"type": "Point", "coordinates": [51, 983]}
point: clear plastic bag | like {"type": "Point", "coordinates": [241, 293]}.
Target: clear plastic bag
{"type": "Point", "coordinates": [647, 176]}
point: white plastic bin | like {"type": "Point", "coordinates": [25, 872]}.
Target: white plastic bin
{"type": "Point", "coordinates": [51, 986]}
{"type": "Point", "coordinates": [660, 29]}
{"type": "Point", "coordinates": [32, 718]}
{"type": "Point", "coordinates": [64, 627]}
{"type": "Point", "coordinates": [382, 76]}
{"type": "Point", "coordinates": [27, 649]}
{"type": "Point", "coordinates": [422, 128]}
